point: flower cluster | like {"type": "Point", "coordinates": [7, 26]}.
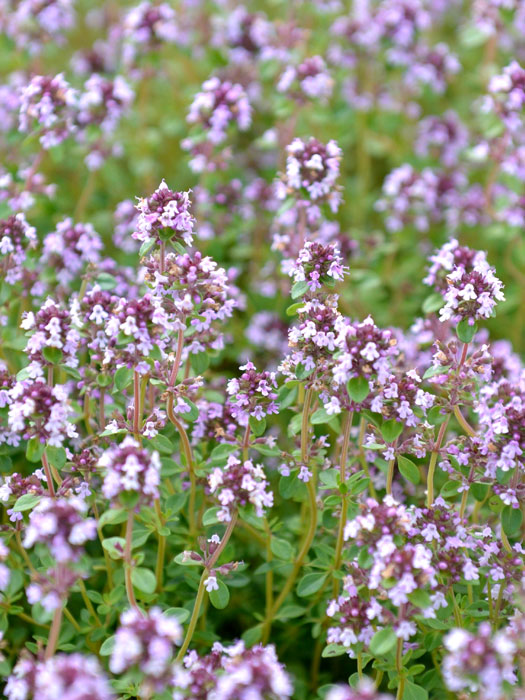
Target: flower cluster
{"type": "Point", "coordinates": [129, 468]}
{"type": "Point", "coordinates": [252, 394]}
{"type": "Point", "coordinates": [146, 642]}
{"type": "Point", "coordinates": [165, 215]}
{"type": "Point", "coordinates": [69, 248]}
{"type": "Point", "coordinates": [50, 328]}
{"type": "Point", "coordinates": [16, 237]}
{"type": "Point", "coordinates": [68, 676]}
{"type": "Point", "coordinates": [237, 484]}
{"type": "Point", "coordinates": [318, 264]}
{"type": "Point", "coordinates": [60, 524]}
{"type": "Point", "coordinates": [312, 169]}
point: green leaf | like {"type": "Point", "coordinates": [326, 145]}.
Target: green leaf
{"type": "Point", "coordinates": [162, 444]}
{"type": "Point", "coordinates": [408, 469]}
{"type": "Point", "coordinates": [465, 331]}
{"type": "Point", "coordinates": [181, 614]}
{"type": "Point", "coordinates": [320, 416]}
{"type": "Point", "coordinates": [53, 355]}
{"type": "Point", "coordinates": [113, 516]}
{"type": "Point", "coordinates": [257, 426]}
{"type": "Point", "coordinates": [435, 371]}
{"type": "Point", "coordinates": [56, 455]}
{"type": "Point", "coordinates": [34, 450]}
{"type": "Point", "coordinates": [391, 430]}
{"type": "Point", "coordinates": [123, 377]}
{"type": "Point", "coordinates": [479, 490]}
{"type": "Point", "coordinates": [268, 450]}
{"type": "Point", "coordinates": [450, 488]}
{"type": "Point", "coordinates": [107, 646]}
{"type": "Point", "coordinates": [332, 650]}
{"type": "Point", "coordinates": [298, 289]}
{"type": "Point", "coordinates": [146, 247]}
{"type": "Point", "coordinates": [26, 502]}
{"type": "Point", "coordinates": [358, 389]}
{"type": "Point", "coordinates": [210, 516]}
{"type": "Point", "coordinates": [114, 546]}
{"type": "Point", "coordinates": [103, 380]}
{"type": "Point", "coordinates": [420, 598]}
{"type": "Point", "coordinates": [287, 612]}
{"type": "Point", "coordinates": [200, 362]}
{"type": "Point", "coordinates": [193, 413]}
{"type": "Point", "coordinates": [144, 580]}
{"type": "Point", "coordinates": [310, 583]}
{"type": "Point", "coordinates": [511, 519]}
{"type": "Point", "coordinates": [433, 303]}
{"type": "Point", "coordinates": [301, 372]}
{"type": "Point", "coordinates": [282, 549]}
{"type": "Point", "coordinates": [383, 641]}
{"type": "Point", "coordinates": [221, 453]}
{"type": "Point", "coordinates": [414, 692]}
{"type": "Point", "coordinates": [294, 308]}
{"type": "Point", "coordinates": [221, 597]}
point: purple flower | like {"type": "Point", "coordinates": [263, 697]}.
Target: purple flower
{"type": "Point", "coordinates": [130, 468]}
{"type": "Point", "coordinates": [238, 484]}
{"type": "Point", "coordinates": [48, 104]}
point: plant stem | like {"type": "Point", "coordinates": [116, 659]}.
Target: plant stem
{"type": "Point", "coordinates": [399, 668]}
{"type": "Point", "coordinates": [469, 430]}
{"type": "Point", "coordinates": [136, 405]}
{"type": "Point", "coordinates": [54, 632]}
{"type": "Point", "coordinates": [106, 555]}
{"type": "Point", "coordinates": [246, 443]}
{"type": "Point", "coordinates": [127, 561]}
{"type": "Point", "coordinates": [312, 520]}
{"type": "Point", "coordinates": [433, 461]}
{"type": "Point", "coordinates": [88, 603]}
{"type": "Point", "coordinates": [49, 478]}
{"type": "Point", "coordinates": [347, 427]}
{"type": "Point", "coordinates": [159, 568]}
{"type": "Point", "coordinates": [362, 456]}
{"type": "Point", "coordinates": [200, 591]}
{"type": "Point", "coordinates": [178, 355]}
{"type": "Point", "coordinates": [186, 448]}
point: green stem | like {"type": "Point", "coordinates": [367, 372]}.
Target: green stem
{"type": "Point", "coordinates": [188, 454]}
{"type": "Point", "coordinates": [433, 461]}
{"type": "Point", "coordinates": [54, 632]}
{"type": "Point", "coordinates": [200, 591]}
{"type": "Point", "coordinates": [347, 427]}
{"type": "Point", "coordinates": [87, 602]}
{"type": "Point", "coordinates": [49, 478]}
{"type": "Point", "coordinates": [127, 561]}
{"type": "Point", "coordinates": [161, 551]}
{"type": "Point", "coordinates": [399, 668]}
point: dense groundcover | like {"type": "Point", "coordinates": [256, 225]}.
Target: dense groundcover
{"type": "Point", "coordinates": [262, 303]}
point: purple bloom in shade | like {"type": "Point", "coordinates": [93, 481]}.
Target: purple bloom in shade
{"type": "Point", "coordinates": [229, 673]}
{"type": "Point", "coordinates": [252, 394]}
{"type": "Point", "coordinates": [37, 410]}
{"type": "Point", "coordinates": [365, 690]}
{"type": "Point", "coordinates": [126, 221]}
{"type": "Point", "coordinates": [130, 468]}
{"type": "Point", "coordinates": [165, 215]}
{"type": "Point", "coordinates": [103, 102]}
{"type": "Point", "coordinates": [147, 26]}
{"type": "Point", "coordinates": [16, 237]}
{"type": "Point", "coordinates": [69, 248]}
{"type": "Point", "coordinates": [146, 641]}
{"type": "Point", "coordinates": [309, 80]}
{"type": "Point", "coordinates": [60, 524]}
{"type": "Point", "coordinates": [33, 23]}
{"type": "Point", "coordinates": [65, 676]}
{"type": "Point", "coordinates": [220, 105]}
{"type": "Point", "coordinates": [238, 484]}
{"type": "Point", "coordinates": [318, 264]}
{"type": "Point", "coordinates": [479, 662]}
{"type": "Point", "coordinates": [312, 169]}
{"type": "Point", "coordinates": [48, 104]}
{"type": "Point", "coordinates": [50, 327]}
{"type": "Point", "coordinates": [443, 137]}
{"type": "Point", "coordinates": [507, 91]}
{"type": "Point", "coordinates": [247, 35]}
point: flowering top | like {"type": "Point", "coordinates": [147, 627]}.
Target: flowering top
{"type": "Point", "coordinates": [365, 690]}
{"type": "Point", "coordinates": [451, 255]}
{"type": "Point", "coordinates": [252, 394]}
{"type": "Point", "coordinates": [508, 92]}
{"type": "Point", "coordinates": [442, 136]}
{"type": "Point", "coordinates": [51, 327]}
{"type": "Point", "coordinates": [246, 34]}
{"type": "Point", "coordinates": [165, 215]}
{"type": "Point", "coordinates": [318, 264]}
{"type": "Point", "coordinates": [146, 641]}
{"type": "Point", "coordinates": [193, 287]}
{"type": "Point", "coordinates": [104, 101]}
{"type": "Point", "coordinates": [238, 484]}
{"type": "Point", "coordinates": [310, 79]}
{"type": "Point", "coordinates": [366, 351]}
{"type": "Point", "coordinates": [16, 236]}
{"type": "Point", "coordinates": [33, 23]}
{"type": "Point", "coordinates": [479, 663]}
{"type": "Point", "coordinates": [312, 169]}
{"type": "Point", "coordinates": [130, 468]}
{"type": "Point", "coordinates": [472, 294]}
{"type": "Point", "coordinates": [66, 676]}
{"type": "Point", "coordinates": [376, 520]}
{"type": "Point", "coordinates": [220, 104]}
{"type": "Point", "coordinates": [69, 248]}
{"type": "Point", "coordinates": [38, 410]}
{"type": "Point", "coordinates": [59, 523]}
{"type": "Point", "coordinates": [50, 103]}
{"type": "Point", "coordinates": [148, 25]}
